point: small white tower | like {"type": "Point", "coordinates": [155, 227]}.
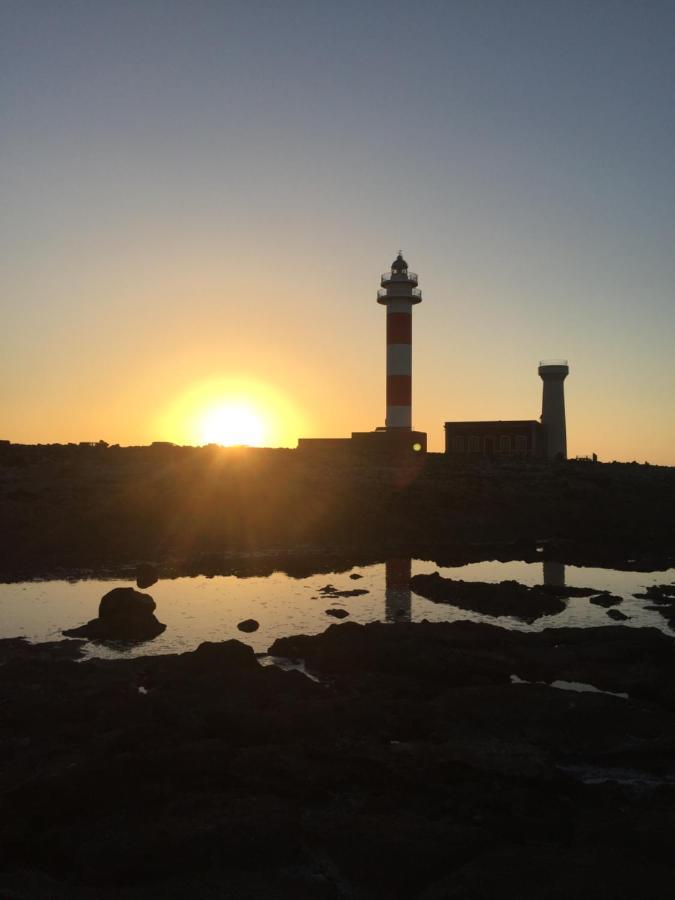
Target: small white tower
{"type": "Point", "coordinates": [553, 373]}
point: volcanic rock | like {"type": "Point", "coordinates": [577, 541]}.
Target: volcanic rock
{"type": "Point", "coordinates": [330, 591]}
{"type": "Point", "coordinates": [605, 600]}
{"type": "Point", "coordinates": [337, 613]}
{"type": "Point", "coordinates": [617, 615]}
{"type": "Point", "coordinates": [248, 625]}
{"type": "Point", "coordinates": [508, 598]}
{"type": "Point", "coordinates": [123, 615]}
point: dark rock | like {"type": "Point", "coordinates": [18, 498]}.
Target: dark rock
{"type": "Point", "coordinates": [508, 598]}
{"type": "Point", "coordinates": [217, 657]}
{"type": "Point", "coordinates": [605, 600]}
{"type": "Point", "coordinates": [248, 625]}
{"type": "Point", "coordinates": [123, 615]}
{"type": "Point", "coordinates": [337, 613]}
{"type": "Point", "coordinates": [355, 575]}
{"type": "Point", "coordinates": [617, 615]}
{"type": "Point", "coordinates": [125, 601]}
{"type": "Point", "coordinates": [330, 591]}
{"type": "Point", "coordinates": [146, 575]}
{"type": "Point", "coordinates": [415, 769]}
{"type": "Point", "coordinates": [20, 648]}
{"type": "Point", "coordinates": [659, 593]}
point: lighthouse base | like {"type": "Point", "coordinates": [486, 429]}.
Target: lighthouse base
{"type": "Point", "coordinates": [393, 445]}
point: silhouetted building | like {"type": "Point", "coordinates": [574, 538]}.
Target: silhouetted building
{"type": "Point", "coordinates": [553, 373]}
{"type": "Point", "coordinates": [399, 293]}
{"type": "Point", "coordinates": [516, 438]}
{"type": "Point", "coordinates": [520, 437]}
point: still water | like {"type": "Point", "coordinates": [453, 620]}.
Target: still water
{"type": "Point", "coordinates": [208, 609]}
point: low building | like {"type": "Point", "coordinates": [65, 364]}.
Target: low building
{"type": "Point", "coordinates": [520, 437]}
{"type": "Point", "coordinates": [398, 443]}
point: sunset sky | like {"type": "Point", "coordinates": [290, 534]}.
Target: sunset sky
{"type": "Point", "coordinates": [198, 199]}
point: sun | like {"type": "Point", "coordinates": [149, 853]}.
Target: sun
{"type": "Point", "coordinates": [232, 424]}
{"type": "Point", "coordinates": [230, 411]}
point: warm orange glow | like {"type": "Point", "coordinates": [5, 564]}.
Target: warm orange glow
{"type": "Point", "coordinates": [232, 411]}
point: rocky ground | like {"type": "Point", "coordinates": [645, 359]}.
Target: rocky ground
{"type": "Point", "coordinates": [418, 765]}
{"type": "Point", "coordinates": [212, 509]}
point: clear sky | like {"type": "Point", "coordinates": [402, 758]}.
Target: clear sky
{"type": "Point", "coordinates": [198, 199]}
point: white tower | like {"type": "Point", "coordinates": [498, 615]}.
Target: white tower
{"type": "Point", "coordinates": [553, 373]}
{"type": "Point", "coordinates": [399, 293]}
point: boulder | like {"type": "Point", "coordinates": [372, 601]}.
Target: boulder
{"type": "Point", "coordinates": [123, 615]}
{"type": "Point", "coordinates": [248, 625]}
{"type": "Point", "coordinates": [337, 613]}
{"type": "Point", "coordinates": [605, 600]}
{"type": "Point", "coordinates": [617, 615]}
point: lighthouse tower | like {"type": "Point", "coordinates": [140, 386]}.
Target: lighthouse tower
{"type": "Point", "coordinates": [399, 293]}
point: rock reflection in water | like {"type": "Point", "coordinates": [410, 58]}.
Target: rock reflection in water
{"type": "Point", "coordinates": [397, 594]}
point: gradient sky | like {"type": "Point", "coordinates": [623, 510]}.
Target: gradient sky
{"type": "Point", "coordinates": [200, 192]}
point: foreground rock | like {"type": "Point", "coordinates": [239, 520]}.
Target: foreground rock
{"type": "Point", "coordinates": [123, 615]}
{"type": "Point", "coordinates": [414, 769]}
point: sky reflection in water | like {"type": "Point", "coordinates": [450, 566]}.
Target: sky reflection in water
{"type": "Point", "coordinates": [208, 609]}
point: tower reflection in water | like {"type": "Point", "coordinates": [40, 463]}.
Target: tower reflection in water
{"type": "Point", "coordinates": [397, 596]}
{"type": "Point", "coordinates": [554, 573]}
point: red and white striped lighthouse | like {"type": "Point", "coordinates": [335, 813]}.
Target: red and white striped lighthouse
{"type": "Point", "coordinates": [399, 293]}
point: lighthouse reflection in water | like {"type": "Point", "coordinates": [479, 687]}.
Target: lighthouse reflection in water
{"type": "Point", "coordinates": [398, 604]}
{"type": "Point", "coordinates": [397, 596]}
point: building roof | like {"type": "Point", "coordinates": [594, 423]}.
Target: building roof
{"type": "Point", "coordinates": [482, 424]}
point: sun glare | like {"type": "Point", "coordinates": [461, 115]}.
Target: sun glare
{"type": "Point", "coordinates": [232, 425]}
{"type": "Point", "coordinates": [231, 412]}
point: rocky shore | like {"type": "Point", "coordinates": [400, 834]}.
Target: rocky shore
{"type": "Point", "coordinates": [430, 761]}
{"type": "Point", "coordinates": [212, 510]}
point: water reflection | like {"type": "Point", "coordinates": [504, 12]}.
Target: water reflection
{"type": "Point", "coordinates": [397, 589]}
{"type": "Point", "coordinates": [554, 573]}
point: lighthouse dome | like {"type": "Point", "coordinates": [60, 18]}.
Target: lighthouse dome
{"type": "Point", "coordinates": [399, 264]}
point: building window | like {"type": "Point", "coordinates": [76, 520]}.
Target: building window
{"type": "Point", "coordinates": [504, 443]}
{"type": "Point", "coordinates": [521, 443]}
{"type": "Point", "coordinates": [457, 444]}
{"type": "Point", "coordinates": [474, 444]}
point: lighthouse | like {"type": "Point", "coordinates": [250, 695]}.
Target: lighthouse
{"type": "Point", "coordinates": [399, 293]}
{"type": "Point", "coordinates": [395, 443]}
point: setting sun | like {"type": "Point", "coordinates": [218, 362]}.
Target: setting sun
{"type": "Point", "coordinates": [233, 424]}
{"type": "Point", "coordinates": [231, 411]}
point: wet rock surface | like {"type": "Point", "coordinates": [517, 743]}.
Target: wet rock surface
{"type": "Point", "coordinates": [663, 596]}
{"type": "Point", "coordinates": [123, 615]}
{"type": "Point", "coordinates": [330, 590]}
{"type": "Point", "coordinates": [507, 598]}
{"type": "Point", "coordinates": [605, 600]}
{"type": "Point", "coordinates": [413, 769]}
